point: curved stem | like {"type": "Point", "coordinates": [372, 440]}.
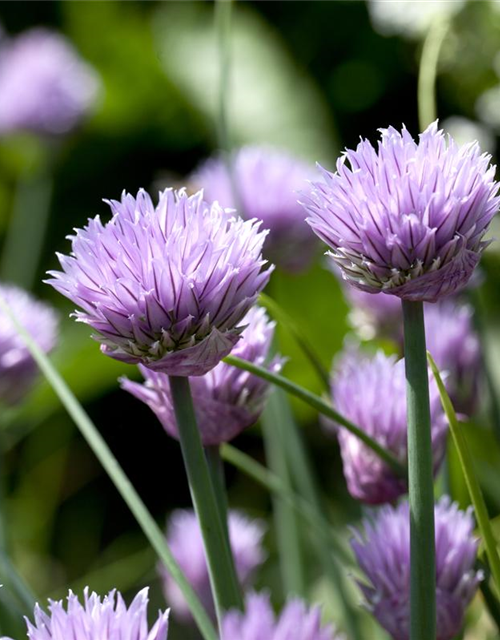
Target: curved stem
{"type": "Point", "coordinates": [220, 562]}
{"type": "Point", "coordinates": [420, 477]}
{"type": "Point", "coordinates": [321, 406]}
{"type": "Point", "coordinates": [427, 74]}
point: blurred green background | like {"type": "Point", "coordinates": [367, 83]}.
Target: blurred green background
{"type": "Point", "coordinates": [307, 76]}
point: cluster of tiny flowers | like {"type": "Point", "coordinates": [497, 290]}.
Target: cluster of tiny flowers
{"type": "Point", "coordinates": [296, 622]}
{"type": "Point", "coordinates": [105, 618]}
{"type": "Point", "coordinates": [266, 182]}
{"type": "Point", "coordinates": [226, 399]}
{"type": "Point", "coordinates": [409, 218]}
{"type": "Point", "coordinates": [165, 286]}
{"type": "Point", "coordinates": [18, 370]}
{"type": "Point", "coordinates": [358, 384]}
{"type": "Point", "coordinates": [186, 543]}
{"type": "Point", "coordinates": [45, 87]}
{"type": "Point", "coordinates": [383, 553]}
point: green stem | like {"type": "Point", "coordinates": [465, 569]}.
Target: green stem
{"type": "Point", "coordinates": [23, 245]}
{"type": "Point", "coordinates": [321, 406]}
{"type": "Point", "coordinates": [127, 491]}
{"type": "Point", "coordinates": [473, 486]}
{"type": "Point", "coordinates": [289, 539]}
{"type": "Point", "coordinates": [420, 477]}
{"type": "Point", "coordinates": [216, 470]}
{"type": "Point", "coordinates": [427, 111]}
{"type": "Point", "coordinates": [220, 562]}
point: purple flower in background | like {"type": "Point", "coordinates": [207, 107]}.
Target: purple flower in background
{"type": "Point", "coordinates": [407, 219]}
{"type": "Point", "coordinates": [45, 87]}
{"type": "Point", "coordinates": [165, 286]}
{"type": "Point", "coordinates": [18, 370]}
{"type": "Point", "coordinates": [371, 392]}
{"type": "Point", "coordinates": [383, 553]}
{"type": "Point", "coordinates": [267, 181]}
{"type": "Point", "coordinates": [98, 619]}
{"type": "Point", "coordinates": [297, 621]}
{"type": "Point", "coordinates": [186, 543]}
{"type": "Point", "coordinates": [226, 399]}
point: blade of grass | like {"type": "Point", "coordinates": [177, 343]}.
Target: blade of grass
{"type": "Point", "coordinates": [103, 453]}
{"type": "Point", "coordinates": [321, 406]}
{"type": "Point", "coordinates": [471, 480]}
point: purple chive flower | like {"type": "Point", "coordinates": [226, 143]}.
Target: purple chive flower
{"type": "Point", "coordinates": [186, 543]}
{"type": "Point", "coordinates": [18, 370]}
{"type": "Point", "coordinates": [97, 619]}
{"type": "Point", "coordinates": [383, 553]}
{"type": "Point", "coordinates": [267, 181]}
{"type": "Point", "coordinates": [371, 392]}
{"type": "Point", "coordinates": [407, 219]}
{"type": "Point", "coordinates": [226, 399]}
{"type": "Point", "coordinates": [165, 286]}
{"type": "Point", "coordinates": [297, 621]}
{"type": "Point", "coordinates": [45, 87]}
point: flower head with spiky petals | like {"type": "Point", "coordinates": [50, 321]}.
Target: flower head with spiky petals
{"type": "Point", "coordinates": [227, 400]}
{"type": "Point", "coordinates": [165, 286]}
{"type": "Point", "coordinates": [297, 621]}
{"type": "Point", "coordinates": [97, 618]}
{"type": "Point", "coordinates": [266, 181]}
{"type": "Point", "coordinates": [18, 370]}
{"type": "Point", "coordinates": [45, 87]}
{"type": "Point", "coordinates": [371, 392]}
{"type": "Point", "coordinates": [185, 540]}
{"type": "Point", "coordinates": [383, 553]}
{"type": "Point", "coordinates": [409, 218]}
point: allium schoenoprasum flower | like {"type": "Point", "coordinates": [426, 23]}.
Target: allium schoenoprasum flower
{"type": "Point", "coordinates": [226, 399]}
{"type": "Point", "coordinates": [186, 543]}
{"type": "Point", "coordinates": [18, 370]}
{"type": "Point", "coordinates": [97, 618]}
{"type": "Point", "coordinates": [383, 553]}
{"type": "Point", "coordinates": [371, 392]}
{"type": "Point", "coordinates": [266, 181]}
{"type": "Point", "coordinates": [408, 218]}
{"type": "Point", "coordinates": [45, 87]}
{"type": "Point", "coordinates": [165, 286]}
{"type": "Point", "coordinates": [297, 621]}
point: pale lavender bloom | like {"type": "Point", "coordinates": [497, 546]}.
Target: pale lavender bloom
{"type": "Point", "coordinates": [45, 87]}
{"type": "Point", "coordinates": [226, 399]}
{"type": "Point", "coordinates": [97, 619]}
{"type": "Point", "coordinates": [383, 553]}
{"type": "Point", "coordinates": [409, 218]}
{"type": "Point", "coordinates": [18, 370]}
{"type": "Point", "coordinates": [267, 181]}
{"type": "Point", "coordinates": [371, 392]}
{"type": "Point", "coordinates": [165, 286]}
{"type": "Point", "coordinates": [297, 621]}
{"type": "Point", "coordinates": [186, 543]}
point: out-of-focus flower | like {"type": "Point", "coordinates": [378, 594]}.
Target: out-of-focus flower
{"type": "Point", "coordinates": [165, 286]}
{"type": "Point", "coordinates": [409, 218]}
{"type": "Point", "coordinates": [226, 399]}
{"type": "Point", "coordinates": [383, 553]}
{"type": "Point", "coordinates": [464, 131]}
{"type": "Point", "coordinates": [18, 370]}
{"type": "Point", "coordinates": [45, 87]}
{"type": "Point", "coordinates": [410, 18]}
{"type": "Point", "coordinates": [186, 543]}
{"type": "Point", "coordinates": [97, 619]}
{"type": "Point", "coordinates": [297, 621]}
{"type": "Point", "coordinates": [266, 182]}
{"type": "Point", "coordinates": [455, 346]}
{"type": "Point", "coordinates": [374, 314]}
{"type": "Point", "coordinates": [371, 392]}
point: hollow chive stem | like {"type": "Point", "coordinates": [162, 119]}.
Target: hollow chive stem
{"type": "Point", "coordinates": [420, 477]}
{"type": "Point", "coordinates": [220, 562]}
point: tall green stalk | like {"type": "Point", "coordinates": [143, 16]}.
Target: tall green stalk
{"type": "Point", "coordinates": [420, 477]}
{"type": "Point", "coordinates": [428, 72]}
{"type": "Point", "coordinates": [220, 562]}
